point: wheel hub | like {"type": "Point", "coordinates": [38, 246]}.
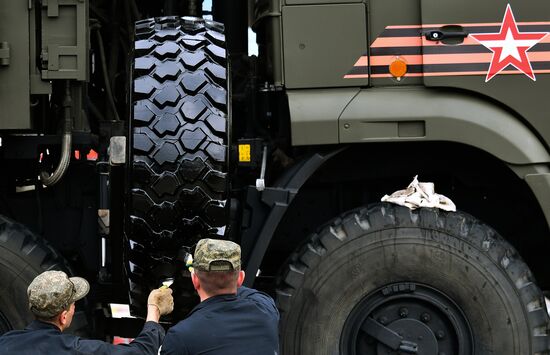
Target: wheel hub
{"type": "Point", "coordinates": [406, 318]}
{"type": "Point", "coordinates": [415, 332]}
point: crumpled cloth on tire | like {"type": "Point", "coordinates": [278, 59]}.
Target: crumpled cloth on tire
{"type": "Point", "coordinates": [420, 194]}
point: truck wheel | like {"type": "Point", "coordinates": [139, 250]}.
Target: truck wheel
{"type": "Point", "coordinates": [387, 280]}
{"type": "Point", "coordinates": [179, 134]}
{"type": "Point", "coordinates": [23, 256]}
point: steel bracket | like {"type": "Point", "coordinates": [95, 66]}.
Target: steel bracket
{"type": "Point", "coordinates": [4, 54]}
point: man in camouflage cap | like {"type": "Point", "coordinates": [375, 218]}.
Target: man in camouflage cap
{"type": "Point", "coordinates": [53, 292]}
{"type": "Point", "coordinates": [217, 255]}
{"type": "Point", "coordinates": [231, 319]}
{"type": "Point", "coordinates": [52, 296]}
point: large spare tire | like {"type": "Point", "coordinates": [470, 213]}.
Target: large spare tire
{"type": "Point", "coordinates": [388, 280]}
{"type": "Point", "coordinates": [178, 155]}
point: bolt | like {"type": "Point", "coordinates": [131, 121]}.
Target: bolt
{"type": "Point", "coordinates": [425, 317]}
{"type": "Point", "coordinates": [403, 312]}
{"type": "Point", "coordinates": [383, 320]}
{"type": "Point", "coordinates": [346, 125]}
{"type": "Point", "coordinates": [302, 46]}
{"type": "Point", "coordinates": [435, 35]}
{"type": "Point", "coordinates": [440, 334]}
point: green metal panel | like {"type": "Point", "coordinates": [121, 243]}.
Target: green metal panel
{"type": "Point", "coordinates": [65, 39]}
{"type": "Point", "coordinates": [314, 114]}
{"type": "Point", "coordinates": [384, 13]}
{"type": "Point", "coordinates": [276, 57]}
{"type": "Point", "coordinates": [14, 77]}
{"type": "Point", "coordinates": [419, 114]}
{"type": "Point", "coordinates": [38, 86]}
{"type": "Point", "coordinates": [310, 2]}
{"type": "Point", "coordinates": [321, 43]}
{"type": "Point", "coordinates": [511, 87]}
{"type": "Point", "coordinates": [540, 185]}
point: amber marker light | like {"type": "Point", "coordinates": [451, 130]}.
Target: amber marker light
{"type": "Point", "coordinates": [398, 68]}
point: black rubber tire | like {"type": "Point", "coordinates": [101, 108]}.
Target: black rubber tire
{"type": "Point", "coordinates": [179, 133]}
{"type": "Point", "coordinates": [367, 249]}
{"type": "Point", "coordinates": [23, 256]}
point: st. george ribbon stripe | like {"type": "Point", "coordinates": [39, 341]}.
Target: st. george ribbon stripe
{"type": "Point", "coordinates": [451, 68]}
{"type": "Point", "coordinates": [420, 31]}
{"type": "Point", "coordinates": [441, 68]}
{"type": "Point", "coordinates": [375, 51]}
{"type": "Point", "coordinates": [471, 57]}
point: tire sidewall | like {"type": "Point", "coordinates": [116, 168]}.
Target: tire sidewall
{"type": "Point", "coordinates": [16, 273]}
{"type": "Point", "coordinates": [23, 256]}
{"type": "Point", "coordinates": [366, 262]}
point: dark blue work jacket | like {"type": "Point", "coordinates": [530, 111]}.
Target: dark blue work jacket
{"type": "Point", "coordinates": [241, 324]}
{"type": "Point", "coordinates": [41, 338]}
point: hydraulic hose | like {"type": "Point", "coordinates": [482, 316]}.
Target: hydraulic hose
{"type": "Point", "coordinates": [61, 169]}
{"type": "Point", "coordinates": [105, 73]}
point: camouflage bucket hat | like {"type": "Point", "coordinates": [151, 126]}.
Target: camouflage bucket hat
{"type": "Point", "coordinates": [217, 255]}
{"type": "Point", "coordinates": [52, 292]}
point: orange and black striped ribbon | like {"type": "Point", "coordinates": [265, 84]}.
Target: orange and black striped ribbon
{"type": "Point", "coordinates": [430, 58]}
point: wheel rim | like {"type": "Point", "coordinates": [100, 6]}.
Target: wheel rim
{"type": "Point", "coordinates": [417, 318]}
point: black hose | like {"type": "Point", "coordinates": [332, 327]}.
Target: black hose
{"type": "Point", "coordinates": [61, 169]}
{"type": "Point", "coordinates": [103, 60]}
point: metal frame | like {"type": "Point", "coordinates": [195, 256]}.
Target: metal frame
{"type": "Point", "coordinates": [277, 198]}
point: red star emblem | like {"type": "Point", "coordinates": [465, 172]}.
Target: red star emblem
{"type": "Point", "coordinates": [509, 46]}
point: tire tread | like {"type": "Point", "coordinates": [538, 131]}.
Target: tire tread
{"type": "Point", "coordinates": [384, 216]}
{"type": "Point", "coordinates": [178, 180]}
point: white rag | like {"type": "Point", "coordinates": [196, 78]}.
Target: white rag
{"type": "Point", "coordinates": [420, 194]}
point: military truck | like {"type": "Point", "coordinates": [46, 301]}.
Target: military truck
{"type": "Point", "coordinates": [130, 129]}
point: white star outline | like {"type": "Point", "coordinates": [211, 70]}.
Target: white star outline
{"type": "Point", "coordinates": [509, 46]}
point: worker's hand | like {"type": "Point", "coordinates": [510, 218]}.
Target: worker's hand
{"type": "Point", "coordinates": [162, 298]}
